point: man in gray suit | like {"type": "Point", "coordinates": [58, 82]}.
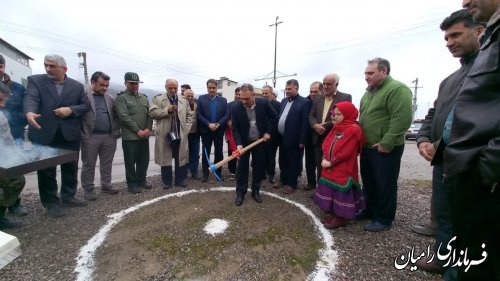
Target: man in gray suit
{"type": "Point", "coordinates": [100, 130]}
{"type": "Point", "coordinates": [320, 118]}
{"type": "Point", "coordinates": [54, 105]}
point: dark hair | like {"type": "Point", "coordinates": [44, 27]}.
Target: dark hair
{"type": "Point", "coordinates": [2, 59]}
{"type": "Point", "coordinates": [186, 86]}
{"type": "Point", "coordinates": [212, 81]}
{"type": "Point", "coordinates": [462, 15]}
{"type": "Point", "coordinates": [4, 89]}
{"type": "Point", "coordinates": [237, 89]}
{"type": "Point", "coordinates": [381, 64]}
{"type": "Point", "coordinates": [246, 87]}
{"type": "Point", "coordinates": [97, 75]}
{"type": "Point", "coordinates": [292, 82]}
{"type": "Point", "coordinates": [320, 85]}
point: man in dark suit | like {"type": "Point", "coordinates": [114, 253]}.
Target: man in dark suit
{"type": "Point", "coordinates": [212, 118]}
{"type": "Point", "coordinates": [271, 146]}
{"type": "Point", "coordinates": [315, 91]}
{"type": "Point", "coordinates": [54, 105]}
{"type": "Point", "coordinates": [252, 119]}
{"type": "Point", "coordinates": [320, 118]}
{"type": "Point", "coordinates": [293, 128]}
{"type": "Point", "coordinates": [100, 130]}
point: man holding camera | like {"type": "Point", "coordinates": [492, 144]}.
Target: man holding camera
{"type": "Point", "coordinates": [173, 123]}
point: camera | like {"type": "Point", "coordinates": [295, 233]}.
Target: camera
{"type": "Point", "coordinates": [173, 138]}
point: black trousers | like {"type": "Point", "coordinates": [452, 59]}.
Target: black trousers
{"type": "Point", "coordinates": [47, 181]}
{"type": "Point", "coordinates": [380, 172]}
{"type": "Point", "coordinates": [231, 165]}
{"type": "Point", "coordinates": [310, 165]}
{"type": "Point", "coordinates": [476, 221]}
{"type": "Point", "coordinates": [318, 157]}
{"type": "Point", "coordinates": [290, 160]}
{"type": "Point", "coordinates": [270, 149]}
{"type": "Point", "coordinates": [180, 171]}
{"type": "Point", "coordinates": [257, 169]}
{"type": "Point", "coordinates": [207, 140]}
{"type": "Point", "coordinates": [136, 158]}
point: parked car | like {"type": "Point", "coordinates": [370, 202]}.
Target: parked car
{"type": "Point", "coordinates": [411, 133]}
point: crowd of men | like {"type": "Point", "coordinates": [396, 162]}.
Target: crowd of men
{"type": "Point", "coordinates": [460, 137]}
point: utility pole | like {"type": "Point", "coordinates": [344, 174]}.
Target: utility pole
{"type": "Point", "coordinates": [84, 65]}
{"type": "Point", "coordinates": [415, 104]}
{"type": "Point", "coordinates": [275, 24]}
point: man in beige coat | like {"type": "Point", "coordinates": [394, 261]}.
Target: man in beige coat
{"type": "Point", "coordinates": [173, 123]}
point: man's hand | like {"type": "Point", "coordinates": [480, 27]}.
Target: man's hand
{"type": "Point", "coordinates": [381, 149]}
{"type": "Point", "coordinates": [63, 112]}
{"type": "Point", "coordinates": [266, 137]}
{"type": "Point", "coordinates": [171, 108]}
{"type": "Point", "coordinates": [147, 133]}
{"type": "Point", "coordinates": [30, 116]}
{"type": "Point", "coordinates": [229, 124]}
{"type": "Point", "coordinates": [213, 126]}
{"type": "Point", "coordinates": [427, 150]}
{"type": "Point", "coordinates": [239, 148]}
{"type": "Point", "coordinates": [319, 129]}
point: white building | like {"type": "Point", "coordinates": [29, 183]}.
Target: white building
{"type": "Point", "coordinates": [17, 63]}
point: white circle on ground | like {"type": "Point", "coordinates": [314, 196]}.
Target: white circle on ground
{"type": "Point", "coordinates": [216, 226]}
{"type": "Point", "coordinates": [325, 266]}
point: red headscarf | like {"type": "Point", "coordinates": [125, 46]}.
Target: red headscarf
{"type": "Point", "coordinates": [350, 114]}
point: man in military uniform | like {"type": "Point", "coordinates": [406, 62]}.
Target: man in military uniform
{"type": "Point", "coordinates": [10, 188]}
{"type": "Point", "coordinates": [17, 121]}
{"type": "Point", "coordinates": [136, 124]}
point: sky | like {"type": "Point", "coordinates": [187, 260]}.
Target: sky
{"type": "Point", "coordinates": [192, 41]}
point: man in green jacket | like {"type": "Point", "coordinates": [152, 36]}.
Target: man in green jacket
{"type": "Point", "coordinates": [136, 124]}
{"type": "Point", "coordinates": [385, 115]}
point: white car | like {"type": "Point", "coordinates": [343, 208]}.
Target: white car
{"type": "Point", "coordinates": [412, 132]}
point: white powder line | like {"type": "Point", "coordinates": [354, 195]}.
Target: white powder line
{"type": "Point", "coordinates": [85, 260]}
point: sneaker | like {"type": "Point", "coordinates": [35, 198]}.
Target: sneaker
{"type": "Point", "coordinates": [56, 211]}
{"type": "Point", "coordinates": [134, 189]}
{"type": "Point", "coordinates": [18, 210]}
{"type": "Point", "coordinates": [109, 189]}
{"type": "Point", "coordinates": [146, 186]}
{"type": "Point", "coordinates": [376, 226]}
{"type": "Point", "coordinates": [6, 223]}
{"type": "Point", "coordinates": [73, 202]}
{"type": "Point", "coordinates": [89, 195]}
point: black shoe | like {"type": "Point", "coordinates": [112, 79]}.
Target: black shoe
{"type": "Point", "coordinates": [6, 223]}
{"type": "Point", "coordinates": [195, 177]}
{"type": "Point", "coordinates": [167, 186]}
{"type": "Point", "coordinates": [181, 184]}
{"type": "Point", "coordinates": [134, 189]}
{"type": "Point", "coordinates": [146, 186]}
{"type": "Point", "coordinates": [376, 226]}
{"type": "Point", "coordinates": [109, 189]}
{"type": "Point", "coordinates": [73, 202]}
{"type": "Point", "coordinates": [18, 210]}
{"type": "Point", "coordinates": [204, 179]}
{"type": "Point", "coordinates": [56, 211]}
{"type": "Point", "coordinates": [257, 197]}
{"type": "Point", "coordinates": [239, 200]}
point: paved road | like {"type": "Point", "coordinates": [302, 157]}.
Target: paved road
{"type": "Point", "coordinates": [412, 167]}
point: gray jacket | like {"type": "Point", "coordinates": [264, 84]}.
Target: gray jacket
{"type": "Point", "coordinates": [88, 121]}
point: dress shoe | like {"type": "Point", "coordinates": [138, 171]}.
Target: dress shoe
{"type": "Point", "coordinates": [376, 226]}
{"type": "Point", "coordinates": [73, 202]}
{"type": "Point", "coordinates": [424, 229]}
{"type": "Point", "coordinates": [196, 177]}
{"type": "Point", "coordinates": [167, 186]}
{"type": "Point", "coordinates": [181, 184]}
{"type": "Point", "coordinates": [363, 215]}
{"type": "Point", "coordinates": [336, 222]}
{"type": "Point", "coordinates": [6, 223]}
{"type": "Point", "coordinates": [431, 267]}
{"type": "Point", "coordinates": [256, 197]}
{"type": "Point", "coordinates": [239, 200]}
{"type": "Point", "coordinates": [56, 211]}
{"type": "Point", "coordinates": [89, 195]}
{"type": "Point", "coordinates": [327, 218]}
{"type": "Point", "coordinates": [134, 189]}
{"type": "Point", "coordinates": [278, 185]}
{"type": "Point", "coordinates": [146, 186]}
{"type": "Point", "coordinates": [18, 210]}
{"type": "Point", "coordinates": [309, 187]}
{"type": "Point", "coordinates": [204, 179]}
{"type": "Point", "coordinates": [109, 189]}
{"type": "Point", "coordinates": [288, 189]}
